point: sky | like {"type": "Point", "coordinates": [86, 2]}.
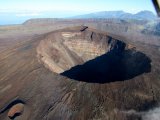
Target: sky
{"type": "Point", "coordinates": [25, 9]}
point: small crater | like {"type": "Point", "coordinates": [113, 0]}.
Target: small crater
{"type": "Point", "coordinates": [15, 110]}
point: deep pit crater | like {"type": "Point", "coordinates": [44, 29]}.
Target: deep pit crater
{"type": "Point", "coordinates": [85, 54]}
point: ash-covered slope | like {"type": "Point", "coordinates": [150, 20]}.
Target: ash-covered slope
{"type": "Point", "coordinates": [32, 89]}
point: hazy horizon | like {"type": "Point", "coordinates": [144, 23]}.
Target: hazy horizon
{"type": "Point", "coordinates": [18, 11]}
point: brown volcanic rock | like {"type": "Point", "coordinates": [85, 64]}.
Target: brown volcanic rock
{"type": "Point", "coordinates": [49, 96]}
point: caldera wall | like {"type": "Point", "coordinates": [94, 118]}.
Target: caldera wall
{"type": "Point", "coordinates": [84, 54]}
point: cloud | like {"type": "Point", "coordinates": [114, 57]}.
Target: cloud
{"type": "Point", "coordinates": [28, 14]}
{"type": "Point", "coordinates": [152, 114]}
{"type": "Point", "coordinates": [21, 13]}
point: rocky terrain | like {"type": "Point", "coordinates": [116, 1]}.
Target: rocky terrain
{"type": "Point", "coordinates": [78, 73]}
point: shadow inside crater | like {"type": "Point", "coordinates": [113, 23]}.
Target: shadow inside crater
{"type": "Point", "coordinates": [110, 67]}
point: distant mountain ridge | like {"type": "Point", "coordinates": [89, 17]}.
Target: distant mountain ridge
{"type": "Point", "coordinates": [142, 15]}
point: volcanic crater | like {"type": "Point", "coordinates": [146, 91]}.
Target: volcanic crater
{"type": "Point", "coordinates": [88, 55]}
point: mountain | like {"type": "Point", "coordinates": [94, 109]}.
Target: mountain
{"type": "Point", "coordinates": [145, 15]}
{"type": "Point", "coordinates": [78, 73]}
{"type": "Point", "coordinates": [142, 15]}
